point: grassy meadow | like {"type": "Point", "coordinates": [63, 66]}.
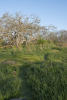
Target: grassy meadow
{"type": "Point", "coordinates": [33, 72]}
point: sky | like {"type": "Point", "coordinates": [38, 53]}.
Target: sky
{"type": "Point", "coordinates": [50, 12]}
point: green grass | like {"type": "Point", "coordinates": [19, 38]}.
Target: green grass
{"type": "Point", "coordinates": [19, 65]}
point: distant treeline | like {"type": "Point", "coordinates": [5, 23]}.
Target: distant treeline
{"type": "Point", "coordinates": [17, 29]}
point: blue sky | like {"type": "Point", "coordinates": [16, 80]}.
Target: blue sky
{"type": "Point", "coordinates": [49, 11]}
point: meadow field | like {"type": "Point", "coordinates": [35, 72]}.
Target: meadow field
{"type": "Point", "coordinates": [34, 72]}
